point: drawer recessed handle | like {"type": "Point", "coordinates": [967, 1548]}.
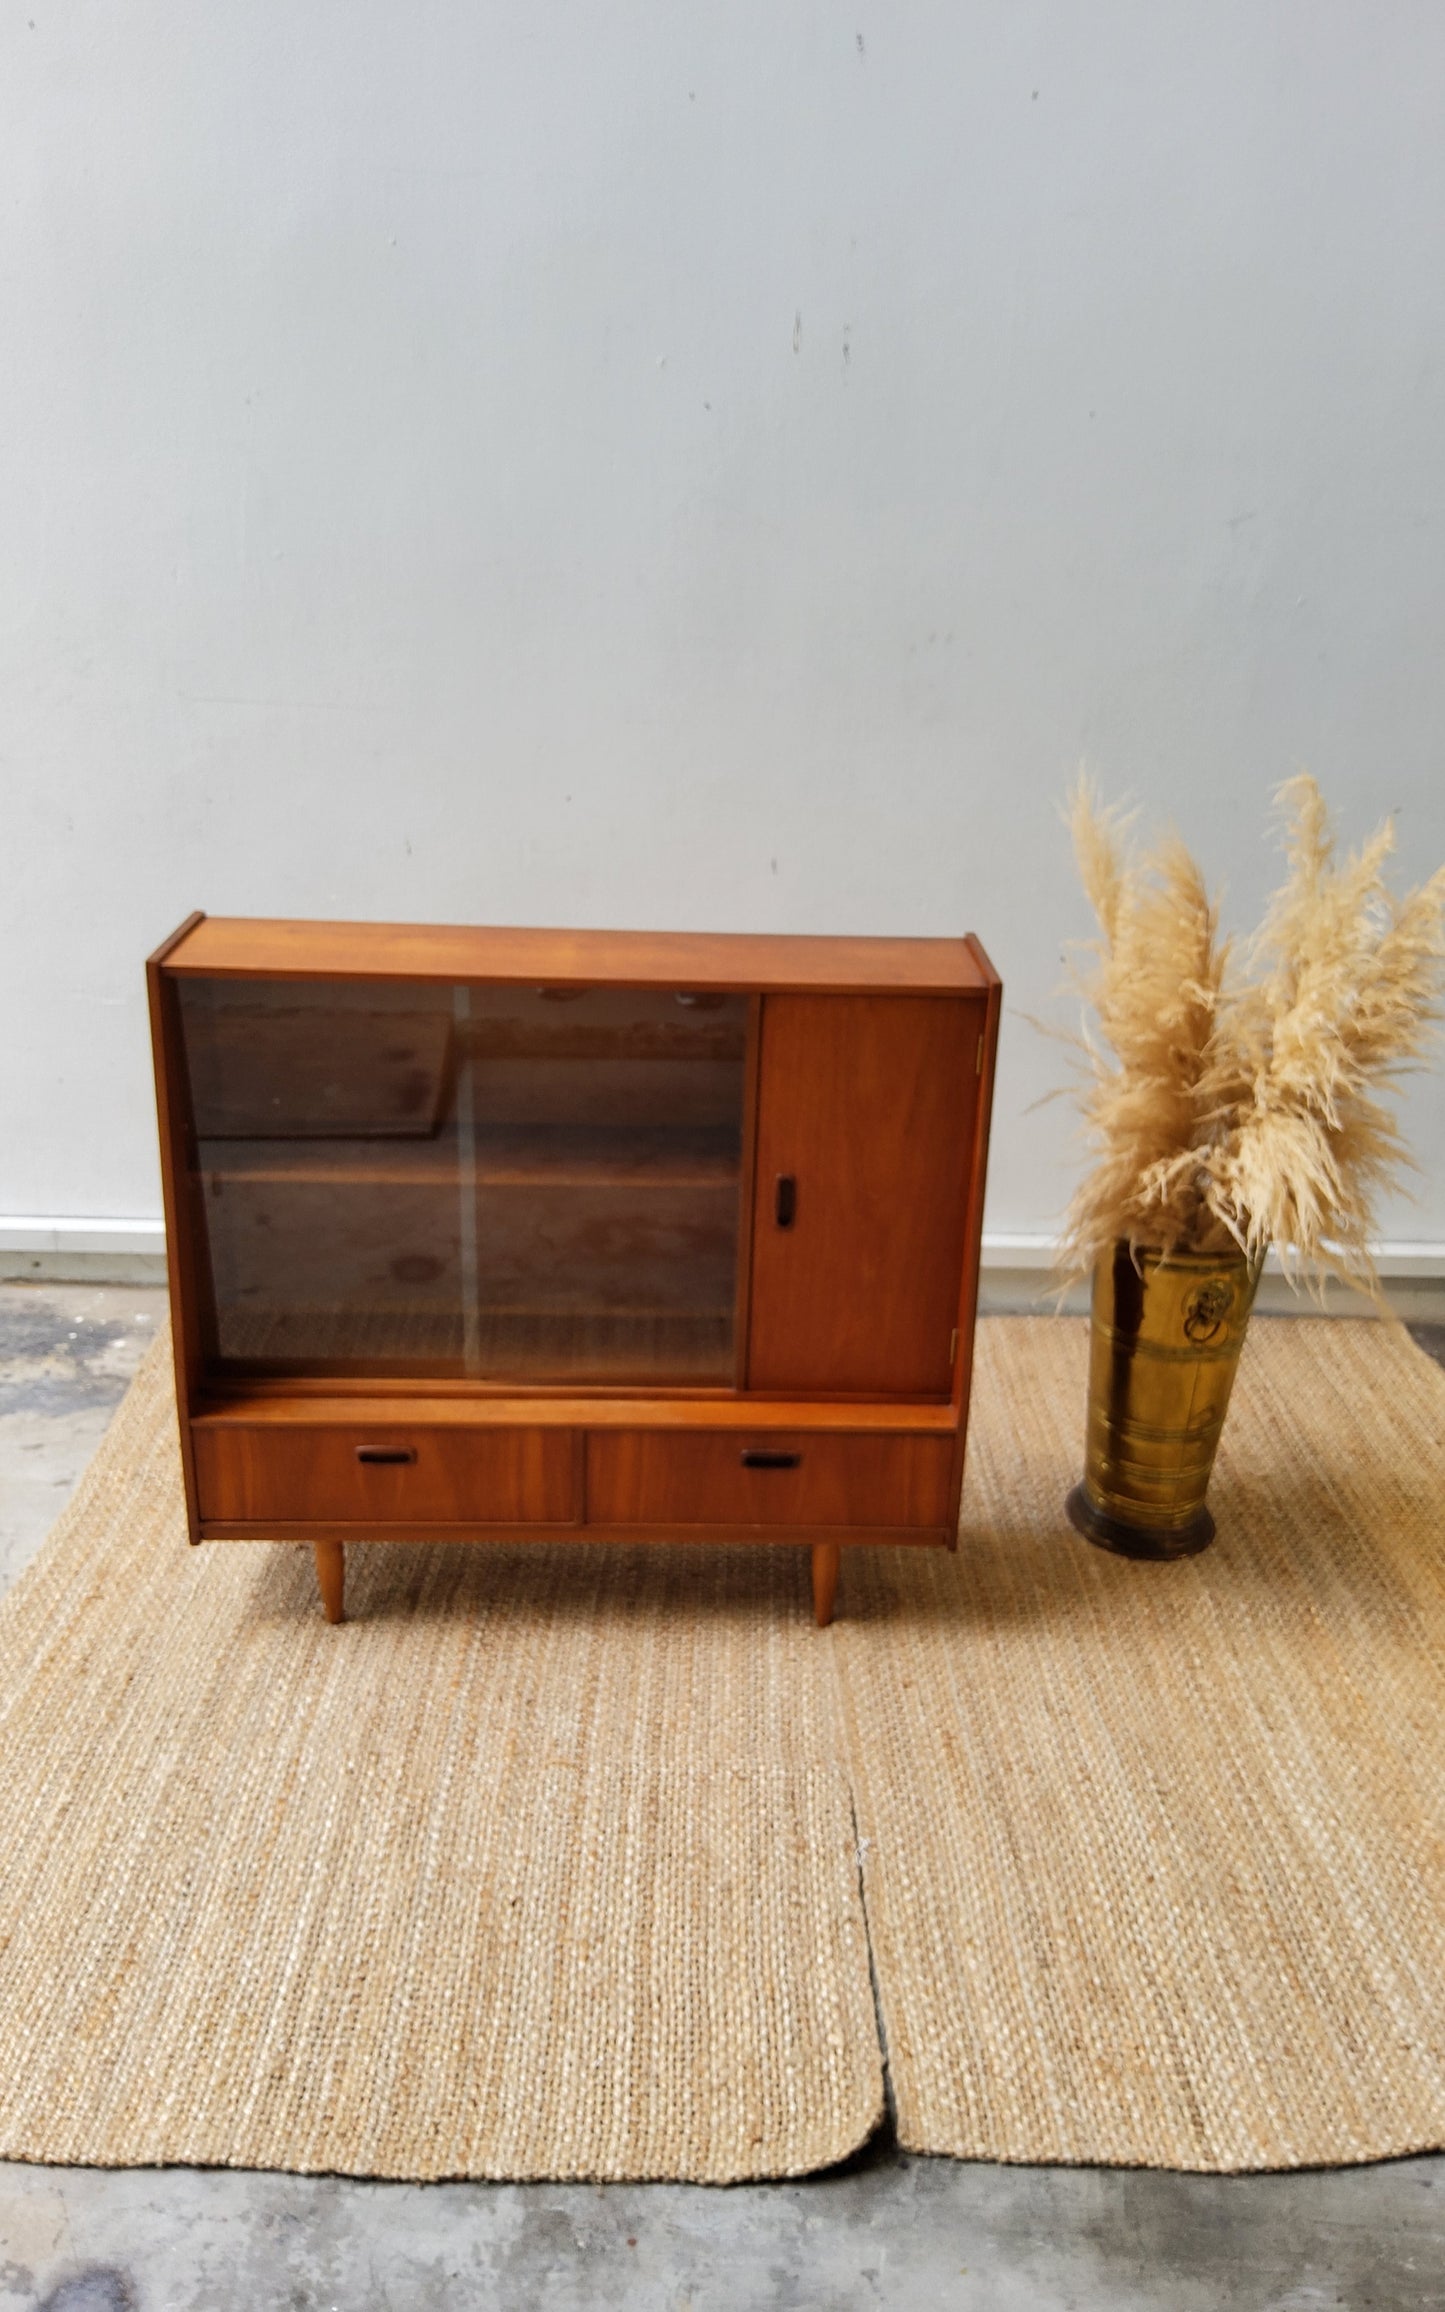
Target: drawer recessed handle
{"type": "Point", "coordinates": [755, 1458]}
{"type": "Point", "coordinates": [385, 1453]}
{"type": "Point", "coordinates": [785, 1200]}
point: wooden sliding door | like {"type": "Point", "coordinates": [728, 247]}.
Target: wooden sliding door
{"type": "Point", "coordinates": [866, 1110]}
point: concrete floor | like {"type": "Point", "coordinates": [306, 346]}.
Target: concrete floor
{"type": "Point", "coordinates": [884, 2230]}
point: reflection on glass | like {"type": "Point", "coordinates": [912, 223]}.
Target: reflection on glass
{"type": "Point", "coordinates": [521, 1184]}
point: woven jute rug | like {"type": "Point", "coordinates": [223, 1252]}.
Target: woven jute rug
{"type": "Point", "coordinates": [546, 1863]}
{"type": "Point", "coordinates": [1155, 1854]}
{"type": "Point", "coordinates": [542, 1864]}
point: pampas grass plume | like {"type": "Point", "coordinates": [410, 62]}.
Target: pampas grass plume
{"type": "Point", "coordinates": [1246, 1102]}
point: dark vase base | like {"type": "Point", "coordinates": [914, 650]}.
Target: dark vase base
{"type": "Point", "coordinates": [1148, 1541]}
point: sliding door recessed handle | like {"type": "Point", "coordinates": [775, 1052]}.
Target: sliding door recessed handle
{"type": "Point", "coordinates": [385, 1453]}
{"type": "Point", "coordinates": [754, 1458]}
{"type": "Point", "coordinates": [785, 1200]}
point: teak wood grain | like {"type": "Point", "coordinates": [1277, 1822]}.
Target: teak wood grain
{"type": "Point", "coordinates": [973, 1233]}
{"type": "Point", "coordinates": [264, 1404]}
{"type": "Point", "coordinates": [867, 1105]}
{"type": "Point", "coordinates": [826, 1556]}
{"type": "Point", "coordinates": [603, 1536]}
{"type": "Point", "coordinates": [191, 1315]}
{"type": "Point", "coordinates": [722, 961]}
{"type": "Point", "coordinates": [641, 1477]}
{"type": "Point", "coordinates": [331, 1579]}
{"type": "Point", "coordinates": [454, 1476]}
{"type": "Point", "coordinates": [869, 1074]}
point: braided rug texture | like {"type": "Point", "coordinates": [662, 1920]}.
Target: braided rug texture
{"type": "Point", "coordinates": [546, 1862]}
{"type": "Point", "coordinates": [1155, 1854]}
{"type": "Point", "coordinates": [540, 1865]}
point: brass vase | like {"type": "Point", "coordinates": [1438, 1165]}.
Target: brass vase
{"type": "Point", "coordinates": [1164, 1342]}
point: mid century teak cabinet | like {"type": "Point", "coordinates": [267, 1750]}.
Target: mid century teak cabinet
{"type": "Point", "coordinates": [480, 1233]}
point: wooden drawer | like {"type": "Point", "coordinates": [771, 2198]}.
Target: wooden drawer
{"type": "Point", "coordinates": [690, 1477]}
{"type": "Point", "coordinates": [369, 1475]}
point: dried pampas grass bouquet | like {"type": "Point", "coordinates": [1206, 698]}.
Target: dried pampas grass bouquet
{"type": "Point", "coordinates": [1243, 1100]}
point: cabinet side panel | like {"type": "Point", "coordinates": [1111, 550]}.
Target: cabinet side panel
{"type": "Point", "coordinates": [973, 1234]}
{"type": "Point", "coordinates": [866, 1114]}
{"type": "Point", "coordinates": [185, 1255]}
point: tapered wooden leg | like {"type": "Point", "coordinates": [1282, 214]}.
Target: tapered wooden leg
{"type": "Point", "coordinates": [331, 1575]}
{"type": "Point", "coordinates": [825, 1580]}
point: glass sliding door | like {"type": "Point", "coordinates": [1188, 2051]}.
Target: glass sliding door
{"type": "Point", "coordinates": [607, 1142]}
{"type": "Point", "coordinates": [326, 1145]}
{"type": "Point", "coordinates": [527, 1184]}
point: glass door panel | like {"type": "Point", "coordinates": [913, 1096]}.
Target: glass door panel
{"type": "Point", "coordinates": [607, 1151]}
{"type": "Point", "coordinates": [326, 1145]}
{"type": "Point", "coordinates": [513, 1183]}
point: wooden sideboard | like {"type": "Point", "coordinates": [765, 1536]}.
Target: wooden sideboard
{"type": "Point", "coordinates": [613, 1235]}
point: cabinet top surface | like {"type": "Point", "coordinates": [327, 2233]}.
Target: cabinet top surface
{"type": "Point", "coordinates": [240, 945]}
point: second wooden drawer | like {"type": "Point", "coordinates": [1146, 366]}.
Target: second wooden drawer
{"type": "Point", "coordinates": [367, 1475]}
{"type": "Point", "coordinates": [692, 1477]}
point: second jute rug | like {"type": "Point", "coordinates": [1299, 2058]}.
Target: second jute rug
{"type": "Point", "coordinates": [547, 1863]}
{"type": "Point", "coordinates": [1155, 1854]}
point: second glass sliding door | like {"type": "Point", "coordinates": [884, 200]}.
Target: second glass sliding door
{"type": "Point", "coordinates": [606, 1145]}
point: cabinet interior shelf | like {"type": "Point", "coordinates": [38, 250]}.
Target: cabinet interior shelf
{"type": "Point", "coordinates": [503, 1344]}
{"type": "Point", "coordinates": [501, 1156]}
